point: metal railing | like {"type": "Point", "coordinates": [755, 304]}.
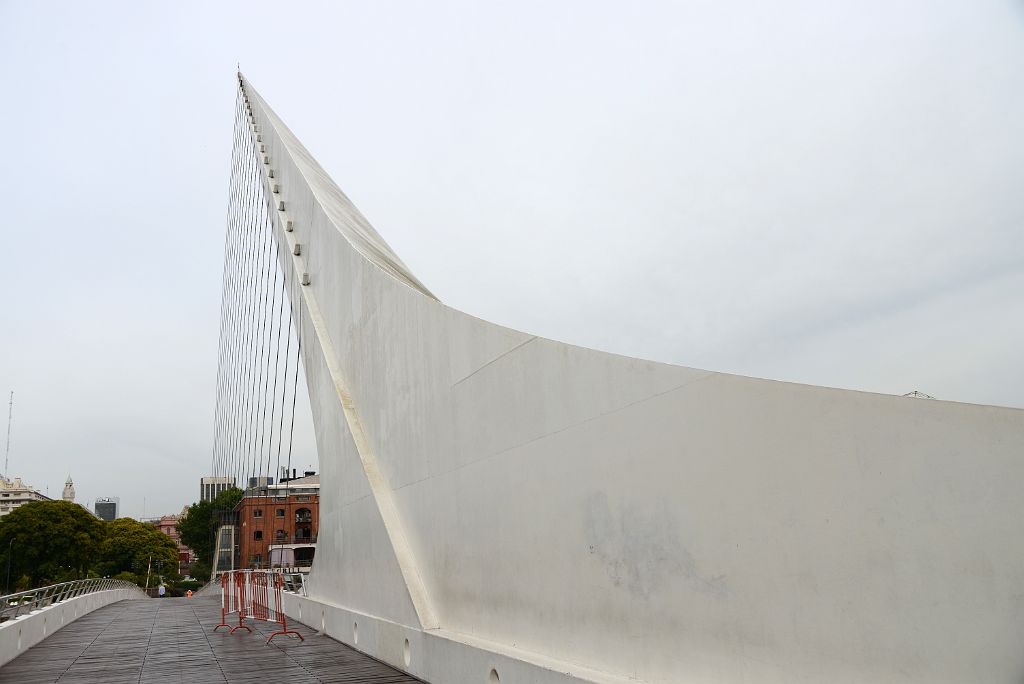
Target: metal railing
{"type": "Point", "coordinates": [24, 602]}
{"type": "Point", "coordinates": [295, 582]}
{"type": "Point", "coordinates": [294, 539]}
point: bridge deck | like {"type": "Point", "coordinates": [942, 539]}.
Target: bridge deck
{"type": "Point", "coordinates": [172, 640]}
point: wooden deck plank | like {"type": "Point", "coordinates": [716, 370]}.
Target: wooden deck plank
{"type": "Point", "coordinates": [172, 640]}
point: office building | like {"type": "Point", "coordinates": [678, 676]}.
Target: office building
{"type": "Point", "coordinates": [210, 487]}
{"type": "Point", "coordinates": [106, 508]}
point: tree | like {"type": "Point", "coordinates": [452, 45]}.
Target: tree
{"type": "Point", "coordinates": [228, 499]}
{"type": "Point", "coordinates": [54, 541]}
{"type": "Point", "coordinates": [201, 570]}
{"type": "Point", "coordinates": [198, 528]}
{"type": "Point", "coordinates": [131, 547]}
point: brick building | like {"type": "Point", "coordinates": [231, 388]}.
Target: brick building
{"type": "Point", "coordinates": [168, 524]}
{"type": "Point", "coordinates": [278, 523]}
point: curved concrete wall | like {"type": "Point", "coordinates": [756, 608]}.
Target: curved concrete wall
{"type": "Point", "coordinates": [572, 513]}
{"type": "Point", "coordinates": [21, 634]}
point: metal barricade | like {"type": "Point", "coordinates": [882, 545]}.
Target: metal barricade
{"type": "Point", "coordinates": [253, 594]}
{"type": "Point", "coordinates": [229, 601]}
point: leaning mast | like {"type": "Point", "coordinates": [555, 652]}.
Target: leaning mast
{"type": "Point", "coordinates": [7, 450]}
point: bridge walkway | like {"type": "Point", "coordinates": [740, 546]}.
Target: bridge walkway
{"type": "Point", "coordinates": [172, 640]}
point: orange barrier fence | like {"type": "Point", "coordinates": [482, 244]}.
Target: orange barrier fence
{"type": "Point", "coordinates": [254, 594]}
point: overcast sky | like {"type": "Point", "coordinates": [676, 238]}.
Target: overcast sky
{"type": "Point", "coordinates": [824, 192]}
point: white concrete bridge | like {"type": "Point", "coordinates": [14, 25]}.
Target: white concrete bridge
{"type": "Point", "coordinates": [501, 507]}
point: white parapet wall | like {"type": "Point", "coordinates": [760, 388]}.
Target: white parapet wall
{"type": "Point", "coordinates": [501, 507]}
{"type": "Point", "coordinates": [24, 632]}
{"type": "Point", "coordinates": [437, 656]}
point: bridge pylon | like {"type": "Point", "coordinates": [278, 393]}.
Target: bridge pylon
{"type": "Point", "coordinates": [496, 506]}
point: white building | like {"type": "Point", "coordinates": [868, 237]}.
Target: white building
{"type": "Point", "coordinates": [210, 487]}
{"type": "Point", "coordinates": [14, 493]}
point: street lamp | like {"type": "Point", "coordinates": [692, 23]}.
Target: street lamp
{"type": "Point", "coordinates": [7, 586]}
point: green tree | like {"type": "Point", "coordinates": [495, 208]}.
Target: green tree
{"type": "Point", "coordinates": [53, 541]}
{"type": "Point", "coordinates": [201, 570]}
{"type": "Point", "coordinates": [228, 499]}
{"type": "Point", "coordinates": [131, 547]}
{"type": "Point", "coordinates": [198, 528]}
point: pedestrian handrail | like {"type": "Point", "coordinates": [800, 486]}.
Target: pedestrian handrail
{"type": "Point", "coordinates": [24, 602]}
{"type": "Point", "coordinates": [254, 594]}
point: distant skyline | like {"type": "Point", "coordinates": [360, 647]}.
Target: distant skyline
{"type": "Point", "coordinates": [826, 193]}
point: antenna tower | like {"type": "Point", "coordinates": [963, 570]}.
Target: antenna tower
{"type": "Point", "coordinates": [7, 450]}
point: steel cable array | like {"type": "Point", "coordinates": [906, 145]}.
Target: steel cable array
{"type": "Point", "coordinates": [256, 391]}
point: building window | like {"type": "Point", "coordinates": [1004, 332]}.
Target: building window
{"type": "Point", "coordinates": [279, 512]}
{"type": "Point", "coordinates": [303, 515]}
{"type": "Point", "coordinates": [257, 512]}
{"type": "Point", "coordinates": [257, 535]}
{"type": "Point", "coordinates": [281, 534]}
